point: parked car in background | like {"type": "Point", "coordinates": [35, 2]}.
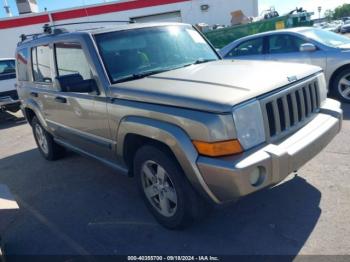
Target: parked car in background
{"type": "Point", "coordinates": [345, 27]}
{"type": "Point", "coordinates": [8, 93]}
{"type": "Point", "coordinates": [334, 26]}
{"type": "Point", "coordinates": [305, 45]}
{"type": "Point", "coordinates": [338, 24]}
{"type": "Point", "coordinates": [156, 102]}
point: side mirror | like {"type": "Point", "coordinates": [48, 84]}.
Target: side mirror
{"type": "Point", "coordinates": [76, 84]}
{"type": "Point", "coordinates": [308, 47]}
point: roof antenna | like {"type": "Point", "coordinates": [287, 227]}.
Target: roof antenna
{"type": "Point", "coordinates": [47, 29]}
{"type": "Point", "coordinates": [7, 8]}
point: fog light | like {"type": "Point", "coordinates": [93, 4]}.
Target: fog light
{"type": "Point", "coordinates": [257, 176]}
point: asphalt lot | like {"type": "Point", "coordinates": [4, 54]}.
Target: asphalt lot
{"type": "Point", "coordinates": [79, 206]}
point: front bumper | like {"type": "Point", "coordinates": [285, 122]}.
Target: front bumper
{"type": "Point", "coordinates": [228, 178]}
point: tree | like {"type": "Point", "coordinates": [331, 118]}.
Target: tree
{"type": "Point", "coordinates": [342, 11]}
{"type": "Point", "coordinates": [329, 14]}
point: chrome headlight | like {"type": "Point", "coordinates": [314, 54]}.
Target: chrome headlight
{"type": "Point", "coordinates": [249, 124]}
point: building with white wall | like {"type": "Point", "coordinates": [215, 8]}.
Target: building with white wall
{"type": "Point", "coordinates": [186, 11]}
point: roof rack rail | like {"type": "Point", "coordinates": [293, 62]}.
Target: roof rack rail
{"type": "Point", "coordinates": [24, 37]}
{"type": "Point", "coordinates": [47, 29]}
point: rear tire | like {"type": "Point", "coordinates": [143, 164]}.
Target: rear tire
{"type": "Point", "coordinates": [341, 86]}
{"type": "Point", "coordinates": [165, 189]}
{"type": "Point", "coordinates": [48, 148]}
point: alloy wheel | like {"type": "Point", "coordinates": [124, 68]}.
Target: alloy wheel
{"type": "Point", "coordinates": [158, 188]}
{"type": "Point", "coordinates": [344, 87]}
{"type": "Point", "coordinates": [41, 138]}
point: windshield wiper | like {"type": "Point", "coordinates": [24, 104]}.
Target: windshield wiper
{"type": "Point", "coordinates": [200, 61]}
{"type": "Point", "coordinates": [139, 75]}
{"type": "Point", "coordinates": [158, 71]}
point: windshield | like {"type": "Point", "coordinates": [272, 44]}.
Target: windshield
{"type": "Point", "coordinates": [327, 38]}
{"type": "Point", "coordinates": [131, 54]}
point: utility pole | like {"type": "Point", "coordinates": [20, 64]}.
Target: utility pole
{"type": "Point", "coordinates": [7, 8]}
{"type": "Point", "coordinates": [319, 12]}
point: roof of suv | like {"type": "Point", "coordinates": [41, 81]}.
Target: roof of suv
{"type": "Point", "coordinates": [127, 27]}
{"type": "Point", "coordinates": [98, 30]}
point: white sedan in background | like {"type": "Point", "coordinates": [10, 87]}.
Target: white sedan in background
{"type": "Point", "coordinates": [8, 93]}
{"type": "Point", "coordinates": [306, 45]}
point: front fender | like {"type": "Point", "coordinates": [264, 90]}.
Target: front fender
{"type": "Point", "coordinates": [172, 136]}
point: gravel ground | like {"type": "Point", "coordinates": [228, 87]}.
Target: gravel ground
{"type": "Point", "coordinates": [77, 206]}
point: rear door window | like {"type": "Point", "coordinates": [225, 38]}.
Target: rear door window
{"type": "Point", "coordinates": [41, 64]}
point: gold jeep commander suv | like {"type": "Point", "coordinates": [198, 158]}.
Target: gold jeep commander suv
{"type": "Point", "coordinates": [156, 102]}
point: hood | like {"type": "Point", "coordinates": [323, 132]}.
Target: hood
{"type": "Point", "coordinates": [216, 86]}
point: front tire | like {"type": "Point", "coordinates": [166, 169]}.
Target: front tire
{"type": "Point", "coordinates": [48, 148]}
{"type": "Point", "coordinates": [165, 189]}
{"type": "Point", "coordinates": [341, 86]}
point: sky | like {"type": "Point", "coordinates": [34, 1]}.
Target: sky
{"type": "Point", "coordinates": [282, 6]}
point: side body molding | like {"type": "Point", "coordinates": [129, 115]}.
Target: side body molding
{"type": "Point", "coordinates": [172, 136]}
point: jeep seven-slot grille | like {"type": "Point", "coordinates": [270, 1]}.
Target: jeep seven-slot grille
{"type": "Point", "coordinates": [288, 109]}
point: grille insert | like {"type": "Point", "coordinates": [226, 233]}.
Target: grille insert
{"type": "Point", "coordinates": [288, 108]}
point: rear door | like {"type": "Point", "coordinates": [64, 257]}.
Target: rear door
{"type": "Point", "coordinates": [79, 119]}
{"type": "Point", "coordinates": [253, 49]}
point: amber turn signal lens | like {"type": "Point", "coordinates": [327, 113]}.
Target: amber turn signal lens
{"type": "Point", "coordinates": [217, 149]}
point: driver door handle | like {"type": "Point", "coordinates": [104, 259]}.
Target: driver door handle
{"type": "Point", "coordinates": [60, 99]}
{"type": "Point", "coordinates": [34, 94]}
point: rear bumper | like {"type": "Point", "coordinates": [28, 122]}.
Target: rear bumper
{"type": "Point", "coordinates": [8, 101]}
{"type": "Point", "coordinates": [229, 178]}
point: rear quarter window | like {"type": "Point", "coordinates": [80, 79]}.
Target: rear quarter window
{"type": "Point", "coordinates": [22, 65]}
